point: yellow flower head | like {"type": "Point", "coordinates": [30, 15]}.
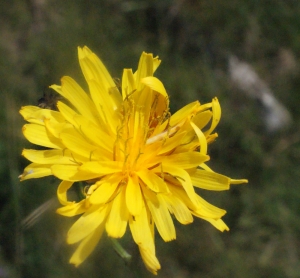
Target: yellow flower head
{"type": "Point", "coordinates": [140, 163]}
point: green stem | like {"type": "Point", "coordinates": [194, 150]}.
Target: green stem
{"type": "Point", "coordinates": [121, 251]}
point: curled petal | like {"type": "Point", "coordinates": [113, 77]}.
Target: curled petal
{"type": "Point", "coordinates": [62, 192]}
{"type": "Point", "coordinates": [155, 84]}
{"type": "Point", "coordinates": [216, 110]}
{"type": "Point", "coordinates": [202, 119]}
{"type": "Point", "coordinates": [201, 138]}
{"type": "Point", "coordinates": [72, 209]}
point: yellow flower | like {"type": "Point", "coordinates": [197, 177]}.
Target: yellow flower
{"type": "Point", "coordinates": [140, 163]}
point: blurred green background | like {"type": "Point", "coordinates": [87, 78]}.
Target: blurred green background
{"type": "Point", "coordinates": [195, 40]}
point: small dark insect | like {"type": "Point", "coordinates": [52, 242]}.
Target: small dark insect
{"type": "Point", "coordinates": [49, 100]}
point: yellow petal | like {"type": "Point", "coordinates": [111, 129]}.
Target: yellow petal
{"type": "Point", "coordinates": [71, 173]}
{"type": "Point", "coordinates": [219, 224]}
{"type": "Point", "coordinates": [210, 180]}
{"type": "Point", "coordinates": [62, 192]}
{"type": "Point", "coordinates": [118, 217]}
{"type": "Point", "coordinates": [156, 63]}
{"type": "Point", "coordinates": [145, 68]}
{"type": "Point", "coordinates": [216, 110]}
{"type": "Point", "coordinates": [159, 106]}
{"type": "Point", "coordinates": [185, 160]}
{"type": "Point", "coordinates": [172, 143]}
{"type": "Point", "coordinates": [37, 115]}
{"type": "Point", "coordinates": [102, 167]}
{"type": "Point", "coordinates": [95, 135]}
{"type": "Point", "coordinates": [141, 227]}
{"type": "Point", "coordinates": [202, 119]}
{"type": "Point", "coordinates": [206, 209]}
{"type": "Point", "coordinates": [77, 97]}
{"type": "Point", "coordinates": [162, 219]}
{"type": "Point", "coordinates": [87, 223]}
{"type": "Point", "coordinates": [232, 181]}
{"type": "Point", "coordinates": [180, 193]}
{"type": "Point", "coordinates": [205, 167]}
{"type": "Point", "coordinates": [149, 258]}
{"type": "Point", "coordinates": [153, 181]}
{"type": "Point", "coordinates": [179, 209]}
{"type": "Point", "coordinates": [49, 156]}
{"type": "Point", "coordinates": [76, 143]}
{"type": "Point", "coordinates": [155, 84]}
{"type": "Point", "coordinates": [38, 135]}
{"type": "Point", "coordinates": [144, 103]}
{"type": "Point", "coordinates": [93, 69]}
{"type": "Point", "coordinates": [134, 198]}
{"type": "Point", "coordinates": [105, 106]}
{"type": "Point", "coordinates": [106, 189]}
{"type": "Point", "coordinates": [189, 144]}
{"type": "Point", "coordinates": [184, 178]}
{"type": "Point", "coordinates": [211, 138]}
{"type": "Point", "coordinates": [184, 113]}
{"type": "Point", "coordinates": [201, 138]}
{"type": "Point", "coordinates": [150, 155]}
{"type": "Point", "coordinates": [55, 128]}
{"type": "Point", "coordinates": [67, 112]}
{"type": "Point", "coordinates": [27, 111]}
{"type": "Point", "coordinates": [201, 208]}
{"type": "Point", "coordinates": [87, 246]}
{"type": "Point", "coordinates": [73, 209]}
{"type": "Point", "coordinates": [34, 171]}
{"type": "Point", "coordinates": [128, 83]}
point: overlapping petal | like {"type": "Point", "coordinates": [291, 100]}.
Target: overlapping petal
{"type": "Point", "coordinates": [87, 245]}
{"type": "Point", "coordinates": [70, 90]}
{"type": "Point", "coordinates": [38, 135]}
{"type": "Point", "coordinates": [87, 223]}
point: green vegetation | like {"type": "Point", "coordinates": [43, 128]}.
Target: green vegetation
{"type": "Point", "coordinates": [194, 39]}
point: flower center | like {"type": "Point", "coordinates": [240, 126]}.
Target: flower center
{"type": "Point", "coordinates": [131, 138]}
